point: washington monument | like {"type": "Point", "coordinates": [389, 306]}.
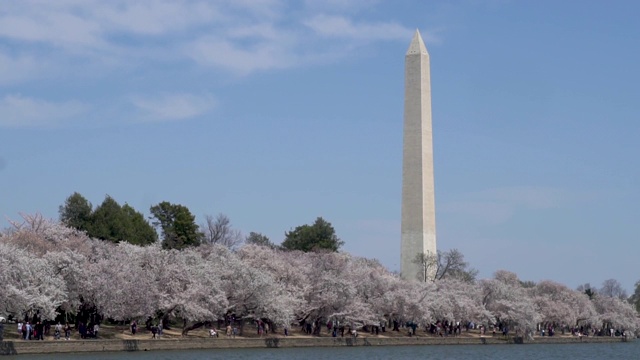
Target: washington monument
{"type": "Point", "coordinates": [418, 201]}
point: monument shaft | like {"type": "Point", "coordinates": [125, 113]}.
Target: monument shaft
{"type": "Point", "coordinates": [418, 200]}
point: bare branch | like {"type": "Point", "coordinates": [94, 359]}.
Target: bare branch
{"type": "Point", "coordinates": [218, 230]}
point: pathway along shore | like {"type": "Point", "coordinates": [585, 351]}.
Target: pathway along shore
{"type": "Point", "coordinates": [76, 346]}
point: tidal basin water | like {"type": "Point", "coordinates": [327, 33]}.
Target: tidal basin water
{"type": "Point", "coordinates": [614, 351]}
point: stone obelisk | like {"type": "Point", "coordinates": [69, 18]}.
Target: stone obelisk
{"type": "Point", "coordinates": [418, 201]}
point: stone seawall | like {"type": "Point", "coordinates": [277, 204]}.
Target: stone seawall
{"type": "Point", "coordinates": [45, 347]}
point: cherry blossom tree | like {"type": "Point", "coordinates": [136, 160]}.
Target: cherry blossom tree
{"type": "Point", "coordinates": [558, 304]}
{"type": "Point", "coordinates": [463, 301]}
{"type": "Point", "coordinates": [70, 266]}
{"type": "Point", "coordinates": [617, 314]}
{"type": "Point", "coordinates": [251, 292]}
{"type": "Point", "coordinates": [29, 284]}
{"type": "Point", "coordinates": [39, 235]}
{"type": "Point", "coordinates": [119, 287]}
{"type": "Point", "coordinates": [285, 269]}
{"type": "Point", "coordinates": [412, 302]}
{"type": "Point", "coordinates": [198, 293]}
{"type": "Point", "coordinates": [284, 266]}
{"type": "Point", "coordinates": [47, 267]}
{"type": "Point", "coordinates": [331, 293]}
{"type": "Point", "coordinates": [509, 302]}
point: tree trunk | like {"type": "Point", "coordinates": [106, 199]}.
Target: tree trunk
{"type": "Point", "coordinates": [165, 322]}
{"type": "Point", "coordinates": [165, 318]}
{"type": "Point", "coordinates": [186, 329]}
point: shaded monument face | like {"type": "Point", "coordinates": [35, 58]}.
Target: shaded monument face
{"type": "Point", "coordinates": [418, 201]}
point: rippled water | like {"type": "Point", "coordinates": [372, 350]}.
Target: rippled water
{"type": "Point", "coordinates": [613, 351]}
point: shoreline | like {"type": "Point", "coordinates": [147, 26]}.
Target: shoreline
{"type": "Point", "coordinates": [80, 346]}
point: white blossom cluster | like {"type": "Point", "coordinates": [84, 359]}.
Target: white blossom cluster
{"type": "Point", "coordinates": [47, 267]}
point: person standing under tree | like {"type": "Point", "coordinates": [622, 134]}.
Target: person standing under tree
{"type": "Point", "coordinates": [57, 331]}
{"type": "Point", "coordinates": [40, 330]}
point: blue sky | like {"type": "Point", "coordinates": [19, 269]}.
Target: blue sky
{"type": "Point", "coordinates": [277, 112]}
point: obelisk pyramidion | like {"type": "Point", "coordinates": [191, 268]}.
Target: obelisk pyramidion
{"type": "Point", "coordinates": [418, 201]}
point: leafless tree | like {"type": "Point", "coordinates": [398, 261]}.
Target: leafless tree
{"type": "Point", "coordinates": [35, 222]}
{"type": "Point", "coordinates": [613, 288]}
{"type": "Point", "coordinates": [218, 230]}
{"type": "Point", "coordinates": [448, 264]}
{"type": "Point", "coordinates": [428, 266]}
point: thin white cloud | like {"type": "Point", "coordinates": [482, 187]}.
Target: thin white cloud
{"type": "Point", "coordinates": [243, 36]}
{"type": "Point", "coordinates": [90, 22]}
{"type": "Point", "coordinates": [21, 111]}
{"type": "Point", "coordinates": [172, 107]}
{"type": "Point", "coordinates": [56, 28]}
{"type": "Point", "coordinates": [15, 69]}
{"type": "Point", "coordinates": [343, 27]}
{"type": "Point", "coordinates": [241, 60]}
{"type": "Point", "coordinates": [258, 9]}
{"type": "Point", "coordinates": [154, 17]}
{"type": "Point", "coordinates": [340, 5]}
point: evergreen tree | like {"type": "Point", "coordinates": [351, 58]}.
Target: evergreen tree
{"type": "Point", "coordinates": [138, 230]}
{"type": "Point", "coordinates": [259, 239]}
{"type": "Point", "coordinates": [319, 236]}
{"type": "Point", "coordinates": [109, 222]}
{"type": "Point", "coordinates": [179, 229]}
{"type": "Point", "coordinates": [635, 298]}
{"type": "Point", "coordinates": [76, 212]}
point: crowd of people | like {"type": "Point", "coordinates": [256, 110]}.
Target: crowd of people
{"type": "Point", "coordinates": [38, 330]}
